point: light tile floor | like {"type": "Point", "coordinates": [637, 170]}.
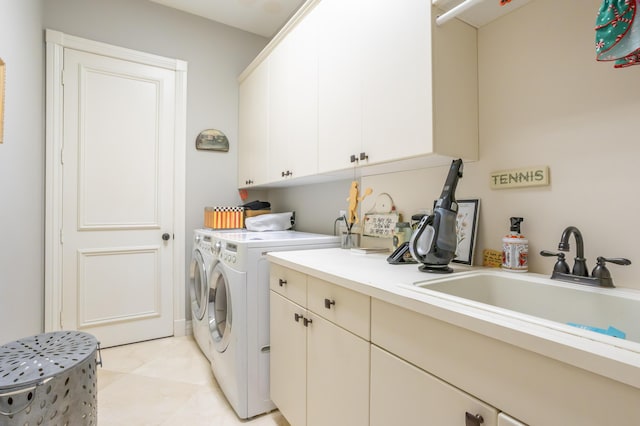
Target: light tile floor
{"type": "Point", "coordinates": [165, 382]}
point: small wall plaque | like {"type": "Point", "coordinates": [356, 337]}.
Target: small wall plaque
{"type": "Point", "coordinates": [518, 178]}
{"type": "Point", "coordinates": [212, 140]}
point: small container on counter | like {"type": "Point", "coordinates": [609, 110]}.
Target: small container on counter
{"type": "Point", "coordinates": [515, 248]}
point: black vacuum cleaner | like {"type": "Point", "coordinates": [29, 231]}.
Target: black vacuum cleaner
{"type": "Point", "coordinates": [434, 241]}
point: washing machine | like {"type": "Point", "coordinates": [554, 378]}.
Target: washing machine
{"type": "Point", "coordinates": [202, 262]}
{"type": "Point", "coordinates": [238, 312]}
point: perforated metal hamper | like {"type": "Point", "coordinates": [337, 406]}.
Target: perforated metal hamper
{"type": "Point", "coordinates": [49, 379]}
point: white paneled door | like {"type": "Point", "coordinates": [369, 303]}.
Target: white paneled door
{"type": "Point", "coordinates": [117, 198]}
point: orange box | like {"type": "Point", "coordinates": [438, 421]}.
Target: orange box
{"type": "Point", "coordinates": [224, 217]}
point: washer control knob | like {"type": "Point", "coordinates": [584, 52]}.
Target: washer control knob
{"type": "Point", "coordinates": [217, 247]}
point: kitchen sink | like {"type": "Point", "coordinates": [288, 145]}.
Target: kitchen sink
{"type": "Point", "coordinates": [533, 295]}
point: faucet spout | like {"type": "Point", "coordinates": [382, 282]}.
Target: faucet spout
{"type": "Point", "coordinates": [580, 265]}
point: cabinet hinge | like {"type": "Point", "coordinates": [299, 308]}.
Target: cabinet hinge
{"type": "Point", "coordinates": [61, 236]}
{"type": "Point", "coordinates": [62, 77]}
{"type": "Point", "coordinates": [61, 325]}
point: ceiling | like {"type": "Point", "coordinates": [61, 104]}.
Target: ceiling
{"type": "Point", "coordinates": [262, 17]}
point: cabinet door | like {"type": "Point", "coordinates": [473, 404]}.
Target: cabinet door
{"type": "Point", "coordinates": [402, 394]}
{"type": "Point", "coordinates": [337, 376]}
{"type": "Point", "coordinates": [506, 420]}
{"type": "Point", "coordinates": [397, 91]}
{"type": "Point", "coordinates": [253, 125]}
{"type": "Point", "coordinates": [288, 384]}
{"type": "Point", "coordinates": [339, 84]}
{"type": "Point", "coordinates": [293, 103]}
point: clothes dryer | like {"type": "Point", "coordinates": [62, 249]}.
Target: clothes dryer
{"type": "Point", "coordinates": [238, 312]}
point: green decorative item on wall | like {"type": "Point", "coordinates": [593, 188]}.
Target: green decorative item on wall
{"type": "Point", "coordinates": [618, 32]}
{"type": "Point", "coordinates": [212, 140]}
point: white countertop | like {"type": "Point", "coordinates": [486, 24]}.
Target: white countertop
{"type": "Point", "coordinates": [372, 275]}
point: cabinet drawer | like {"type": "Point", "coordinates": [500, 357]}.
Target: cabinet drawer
{"type": "Point", "coordinates": [289, 283]}
{"type": "Point", "coordinates": [402, 394]}
{"type": "Point", "coordinates": [344, 307]}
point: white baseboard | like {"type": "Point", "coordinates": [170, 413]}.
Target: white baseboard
{"type": "Point", "coordinates": [182, 328]}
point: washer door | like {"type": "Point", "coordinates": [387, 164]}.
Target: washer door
{"type": "Point", "coordinates": [198, 285]}
{"type": "Point", "coordinates": [220, 315]}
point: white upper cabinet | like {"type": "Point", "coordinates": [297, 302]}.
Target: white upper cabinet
{"type": "Point", "coordinates": [293, 103]}
{"type": "Point", "coordinates": [339, 84]}
{"type": "Point", "coordinates": [397, 96]}
{"type": "Point", "coordinates": [253, 129]}
{"type": "Point", "coordinates": [369, 83]}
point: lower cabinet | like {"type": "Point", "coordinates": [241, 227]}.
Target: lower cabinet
{"type": "Point", "coordinates": [339, 358]}
{"type": "Point", "coordinates": [403, 394]}
{"type": "Point", "coordinates": [288, 359]}
{"type": "Point", "coordinates": [319, 369]}
{"type": "Point", "coordinates": [337, 376]}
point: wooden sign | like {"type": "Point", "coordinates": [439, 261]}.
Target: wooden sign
{"type": "Point", "coordinates": [380, 225]}
{"type": "Point", "coordinates": [491, 258]}
{"type": "Point", "coordinates": [518, 178]}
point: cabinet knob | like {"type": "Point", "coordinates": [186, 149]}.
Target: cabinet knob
{"type": "Point", "coordinates": [473, 419]}
{"type": "Point", "coordinates": [298, 317]}
{"type": "Point", "coordinates": [364, 156]}
{"type": "Point", "coordinates": [166, 236]}
{"type": "Point", "coordinates": [353, 158]}
{"type": "Point", "coordinates": [307, 321]}
{"type": "Point", "coordinates": [328, 303]}
{"type": "Point", "coordinates": [281, 282]}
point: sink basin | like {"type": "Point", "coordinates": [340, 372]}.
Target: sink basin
{"type": "Point", "coordinates": [540, 297]}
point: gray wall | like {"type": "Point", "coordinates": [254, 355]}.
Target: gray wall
{"type": "Point", "coordinates": [215, 53]}
{"type": "Point", "coordinates": [22, 170]}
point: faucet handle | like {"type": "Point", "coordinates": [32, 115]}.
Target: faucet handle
{"type": "Point", "coordinates": [616, 260]}
{"type": "Point", "coordinates": [561, 265]}
{"type": "Point", "coordinates": [602, 273]}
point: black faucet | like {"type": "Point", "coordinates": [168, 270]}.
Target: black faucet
{"type": "Point", "coordinates": [580, 263]}
{"type": "Point", "coordinates": [580, 274]}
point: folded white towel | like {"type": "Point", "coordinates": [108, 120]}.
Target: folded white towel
{"type": "Point", "coordinates": [269, 222]}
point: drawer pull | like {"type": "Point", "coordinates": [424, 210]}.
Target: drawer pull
{"type": "Point", "coordinates": [473, 419]}
{"type": "Point", "coordinates": [307, 321]}
{"type": "Point", "coordinates": [281, 282]}
{"type": "Point", "coordinates": [328, 303]}
{"type": "Point", "coordinates": [297, 317]}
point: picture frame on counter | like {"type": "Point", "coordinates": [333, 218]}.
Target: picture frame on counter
{"type": "Point", "coordinates": [466, 230]}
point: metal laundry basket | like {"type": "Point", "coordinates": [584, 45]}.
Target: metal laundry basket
{"type": "Point", "coordinates": [49, 379]}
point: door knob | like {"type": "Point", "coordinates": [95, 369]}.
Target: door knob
{"type": "Point", "coordinates": [166, 236]}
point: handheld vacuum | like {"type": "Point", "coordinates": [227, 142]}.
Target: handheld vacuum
{"type": "Point", "coordinates": [434, 242]}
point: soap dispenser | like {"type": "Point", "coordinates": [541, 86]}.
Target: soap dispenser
{"type": "Point", "coordinates": [515, 248]}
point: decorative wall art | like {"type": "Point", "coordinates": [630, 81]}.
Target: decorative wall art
{"type": "Point", "coordinates": [466, 229]}
{"type": "Point", "coordinates": [2, 77]}
{"type": "Point", "coordinates": [212, 140]}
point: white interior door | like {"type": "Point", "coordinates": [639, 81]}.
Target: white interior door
{"type": "Point", "coordinates": [117, 198]}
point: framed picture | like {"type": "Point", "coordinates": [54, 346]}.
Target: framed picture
{"type": "Point", "coordinates": [466, 230]}
{"type": "Point", "coordinates": [212, 140]}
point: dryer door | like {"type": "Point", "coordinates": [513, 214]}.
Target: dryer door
{"type": "Point", "coordinates": [198, 285]}
{"type": "Point", "coordinates": [220, 312]}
